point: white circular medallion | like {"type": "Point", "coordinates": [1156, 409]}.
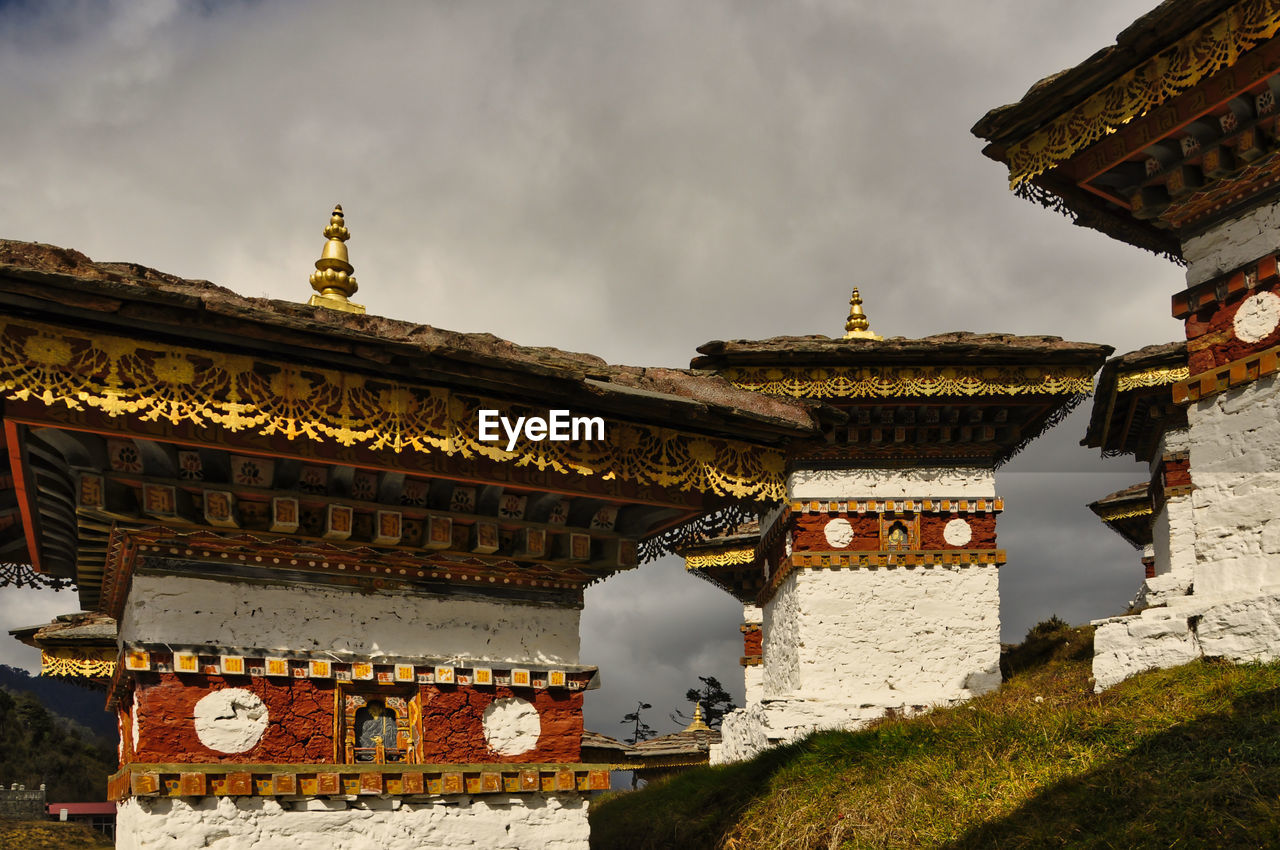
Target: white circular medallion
{"type": "Point", "coordinates": [1257, 317]}
{"type": "Point", "coordinates": [231, 720]}
{"type": "Point", "coordinates": [839, 533]}
{"type": "Point", "coordinates": [511, 726]}
{"type": "Point", "coordinates": [957, 532]}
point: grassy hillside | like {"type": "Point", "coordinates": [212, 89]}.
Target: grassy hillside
{"type": "Point", "coordinates": [1188, 757]}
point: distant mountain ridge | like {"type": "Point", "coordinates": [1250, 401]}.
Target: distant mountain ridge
{"type": "Point", "coordinates": [74, 702]}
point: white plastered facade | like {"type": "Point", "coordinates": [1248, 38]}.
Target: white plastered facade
{"type": "Point", "coordinates": [525, 822]}
{"type": "Point", "coordinates": [1216, 593]}
{"type": "Point", "coordinates": [843, 647]}
{"type": "Point", "coordinates": [186, 610]}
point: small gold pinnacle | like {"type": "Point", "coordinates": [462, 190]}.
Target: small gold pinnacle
{"type": "Point", "coordinates": [334, 279]}
{"type": "Point", "coordinates": [857, 326]}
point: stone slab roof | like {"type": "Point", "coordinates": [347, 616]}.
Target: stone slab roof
{"type": "Point", "coordinates": [954, 348]}
{"type": "Point", "coordinates": [83, 628]}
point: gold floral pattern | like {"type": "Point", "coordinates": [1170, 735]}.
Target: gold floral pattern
{"type": "Point", "coordinates": [122, 377]}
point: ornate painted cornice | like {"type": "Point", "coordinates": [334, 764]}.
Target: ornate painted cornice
{"type": "Point", "coordinates": [909, 381]}
{"type": "Point", "coordinates": [722, 558]}
{"type": "Point", "coordinates": [78, 662]}
{"type": "Point", "coordinates": [1125, 512]}
{"type": "Point", "coordinates": [125, 377]}
{"type": "Point", "coordinates": [1159, 376]}
{"type": "Point", "coordinates": [1213, 46]}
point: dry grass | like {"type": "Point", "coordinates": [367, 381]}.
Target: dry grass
{"type": "Point", "coordinates": [1183, 757]}
{"type": "Point", "coordinates": [49, 835]}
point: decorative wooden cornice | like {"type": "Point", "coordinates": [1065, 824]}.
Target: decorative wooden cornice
{"type": "Point", "coordinates": [722, 558]}
{"type": "Point", "coordinates": [1147, 378]}
{"type": "Point", "coordinates": [870, 382]}
{"type": "Point", "coordinates": [78, 662]}
{"type": "Point", "coordinates": [1211, 47]}
{"type": "Point", "coordinates": [904, 505]}
{"type": "Point", "coordinates": [126, 377]}
{"type": "Point", "coordinates": [352, 780]}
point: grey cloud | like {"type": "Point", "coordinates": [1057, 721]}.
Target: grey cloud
{"type": "Point", "coordinates": [626, 178]}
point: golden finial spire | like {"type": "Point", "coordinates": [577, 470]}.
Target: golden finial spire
{"type": "Point", "coordinates": [333, 278]}
{"type": "Point", "coordinates": [857, 326]}
{"type": "Point", "coordinates": [698, 725]}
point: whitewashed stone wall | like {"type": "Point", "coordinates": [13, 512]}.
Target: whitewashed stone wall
{"type": "Point", "coordinates": [526, 822]}
{"type": "Point", "coordinates": [187, 610]}
{"type": "Point", "coordinates": [891, 483]}
{"type": "Point", "coordinates": [843, 647]}
{"type": "Point", "coordinates": [1219, 592]}
{"type": "Point", "coordinates": [1228, 246]}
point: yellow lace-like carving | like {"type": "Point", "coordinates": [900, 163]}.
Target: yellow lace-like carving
{"type": "Point", "coordinates": [726, 558]}
{"type": "Point", "coordinates": [84, 662]}
{"type": "Point", "coordinates": [890, 382]}
{"type": "Point", "coordinates": [1205, 51]}
{"type": "Point", "coordinates": [1152, 378]}
{"type": "Point", "coordinates": [122, 377]}
{"type": "Point", "coordinates": [1125, 512]}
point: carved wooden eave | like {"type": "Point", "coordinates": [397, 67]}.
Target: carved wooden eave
{"type": "Point", "coordinates": [77, 646]}
{"type": "Point", "coordinates": [730, 561]}
{"type": "Point", "coordinates": [952, 398]}
{"type": "Point", "coordinates": [144, 411]}
{"type": "Point", "coordinates": [1160, 136]}
{"type": "Point", "coordinates": [1134, 405]}
{"type": "Point", "coordinates": [1128, 513]}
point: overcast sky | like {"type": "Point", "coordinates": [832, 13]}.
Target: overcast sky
{"type": "Point", "coordinates": [630, 179]}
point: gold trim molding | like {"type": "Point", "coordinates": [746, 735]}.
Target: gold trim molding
{"type": "Point", "coordinates": [125, 377]}
{"type": "Point", "coordinates": [1147, 378]}
{"type": "Point", "coordinates": [928, 381]}
{"type": "Point", "coordinates": [83, 663]}
{"type": "Point", "coordinates": [1124, 513]}
{"type": "Point", "coordinates": [724, 558]}
{"type": "Point", "coordinates": [1216, 45]}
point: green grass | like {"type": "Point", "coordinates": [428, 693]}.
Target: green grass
{"type": "Point", "coordinates": [1187, 757]}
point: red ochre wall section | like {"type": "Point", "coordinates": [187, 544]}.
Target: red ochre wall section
{"type": "Point", "coordinates": [300, 722]}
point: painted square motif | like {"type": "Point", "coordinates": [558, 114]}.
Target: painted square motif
{"type": "Point", "coordinates": [439, 532]}
{"type": "Point", "coordinates": [414, 493]}
{"type": "Point", "coordinates": [320, 669]}
{"type": "Point", "coordinates": [190, 466]}
{"type": "Point", "coordinates": [388, 530]}
{"type": "Point", "coordinates": [463, 500]}
{"type": "Point", "coordinates": [284, 515]}
{"type": "Point", "coordinates": [559, 514]}
{"type": "Point", "coordinates": [520, 678]}
{"type": "Point", "coordinates": [556, 678]}
{"type": "Point", "coordinates": [605, 518]}
{"type": "Point", "coordinates": [251, 471]}
{"type": "Point", "coordinates": [124, 456]}
{"type": "Point", "coordinates": [486, 538]}
{"type": "Point", "coordinates": [362, 670]}
{"type": "Point", "coordinates": [512, 506]}
{"type": "Point", "coordinates": [313, 479]}
{"type": "Point", "coordinates": [338, 522]}
{"type": "Point", "coordinates": [159, 500]}
{"type": "Point", "coordinates": [535, 542]}
{"type": "Point", "coordinates": [218, 508]}
{"type": "Point", "coordinates": [276, 666]}
{"type": "Point", "coordinates": [232, 665]}
{"type": "Point", "coordinates": [364, 485]}
{"type": "Point", "coordinates": [137, 659]}
{"type": "Point", "coordinates": [404, 672]}
{"type": "Point", "coordinates": [483, 676]}
{"type": "Point", "coordinates": [580, 547]}
{"type": "Point", "coordinates": [444, 675]}
{"type": "Point", "coordinates": [91, 492]}
{"type": "Point", "coordinates": [186, 662]}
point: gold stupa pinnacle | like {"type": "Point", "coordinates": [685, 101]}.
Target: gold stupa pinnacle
{"type": "Point", "coordinates": [333, 280]}
{"type": "Point", "coordinates": [857, 326]}
{"type": "Point", "coordinates": [698, 724]}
